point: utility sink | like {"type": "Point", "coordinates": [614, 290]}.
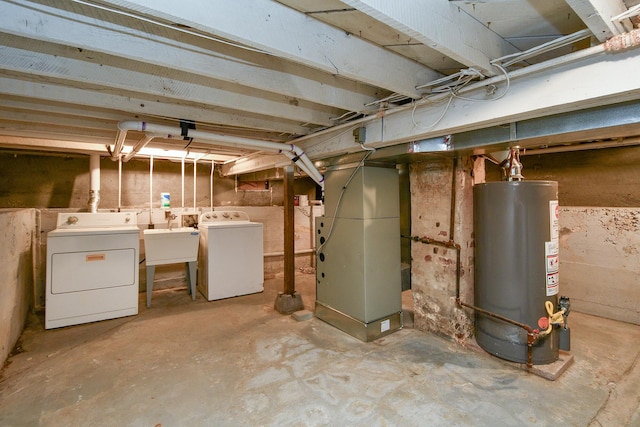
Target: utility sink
{"type": "Point", "coordinates": [171, 245]}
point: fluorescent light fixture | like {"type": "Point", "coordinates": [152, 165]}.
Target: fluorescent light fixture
{"type": "Point", "coordinates": [179, 154]}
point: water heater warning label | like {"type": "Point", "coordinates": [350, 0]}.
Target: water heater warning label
{"type": "Point", "coordinates": [551, 253]}
{"type": "Point", "coordinates": [552, 284]}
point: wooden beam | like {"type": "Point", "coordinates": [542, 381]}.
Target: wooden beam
{"type": "Point", "coordinates": [597, 14]}
{"type": "Point", "coordinates": [163, 47]}
{"type": "Point", "coordinates": [138, 105]}
{"type": "Point", "coordinates": [286, 33]}
{"type": "Point", "coordinates": [156, 83]}
{"type": "Point", "coordinates": [441, 26]}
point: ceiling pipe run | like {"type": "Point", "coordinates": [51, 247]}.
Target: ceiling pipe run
{"type": "Point", "coordinates": [136, 148]}
{"type": "Point", "coordinates": [117, 149]}
{"type": "Point", "coordinates": [293, 152]}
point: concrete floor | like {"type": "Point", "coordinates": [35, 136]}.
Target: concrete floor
{"type": "Point", "coordinates": [239, 363]}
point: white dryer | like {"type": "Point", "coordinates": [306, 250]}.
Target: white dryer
{"type": "Point", "coordinates": [230, 262]}
{"type": "Point", "coordinates": [92, 268]}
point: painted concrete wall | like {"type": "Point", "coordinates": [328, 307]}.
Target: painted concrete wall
{"type": "Point", "coordinates": [433, 268]}
{"type": "Point", "coordinates": [18, 228]}
{"type": "Point", "coordinates": [600, 261]}
{"type": "Point", "coordinates": [55, 181]}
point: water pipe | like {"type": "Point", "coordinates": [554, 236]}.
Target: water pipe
{"type": "Point", "coordinates": [182, 174]}
{"type": "Point", "coordinates": [119, 183]}
{"type": "Point", "coordinates": [151, 192]}
{"type": "Point", "coordinates": [211, 184]}
{"type": "Point", "coordinates": [295, 153]}
{"type": "Point", "coordinates": [94, 191]}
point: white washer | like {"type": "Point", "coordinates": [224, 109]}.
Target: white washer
{"type": "Point", "coordinates": [231, 257]}
{"type": "Point", "coordinates": [92, 268]}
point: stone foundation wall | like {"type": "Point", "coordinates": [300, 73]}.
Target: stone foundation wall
{"type": "Point", "coordinates": [434, 264]}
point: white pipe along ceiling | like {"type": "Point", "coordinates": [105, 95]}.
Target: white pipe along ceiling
{"type": "Point", "coordinates": [263, 79]}
{"type": "Point", "coordinates": [293, 152]}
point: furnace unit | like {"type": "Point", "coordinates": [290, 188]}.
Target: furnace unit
{"type": "Point", "coordinates": [358, 273]}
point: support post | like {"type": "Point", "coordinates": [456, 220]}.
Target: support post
{"type": "Point", "coordinates": [289, 224]}
{"type": "Point", "coordinates": [289, 300]}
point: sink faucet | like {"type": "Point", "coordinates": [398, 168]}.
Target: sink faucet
{"type": "Point", "coordinates": [169, 217]}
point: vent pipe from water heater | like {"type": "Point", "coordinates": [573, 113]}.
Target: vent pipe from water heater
{"type": "Point", "coordinates": [94, 191]}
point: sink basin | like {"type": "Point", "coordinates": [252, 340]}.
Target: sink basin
{"type": "Point", "coordinates": [168, 246]}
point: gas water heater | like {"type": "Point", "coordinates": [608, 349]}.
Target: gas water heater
{"type": "Point", "coordinates": [517, 271]}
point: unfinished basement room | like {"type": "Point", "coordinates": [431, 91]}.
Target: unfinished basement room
{"type": "Point", "coordinates": [319, 213]}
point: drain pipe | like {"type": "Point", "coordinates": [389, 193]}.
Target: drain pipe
{"type": "Point", "coordinates": [94, 192]}
{"type": "Point", "coordinates": [139, 146]}
{"type": "Point", "coordinates": [295, 153]}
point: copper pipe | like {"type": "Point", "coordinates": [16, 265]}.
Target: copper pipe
{"type": "Point", "coordinates": [452, 216]}
{"type": "Point", "coordinates": [429, 241]}
{"type": "Point", "coordinates": [532, 334]}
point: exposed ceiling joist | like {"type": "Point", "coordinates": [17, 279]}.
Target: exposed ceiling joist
{"type": "Point", "coordinates": [28, 118]}
{"type": "Point", "coordinates": [597, 15]}
{"type": "Point", "coordinates": [162, 48]}
{"type": "Point", "coordinates": [443, 27]}
{"type": "Point", "coordinates": [36, 143]}
{"type": "Point", "coordinates": [286, 33]}
{"type": "Point", "coordinates": [56, 109]}
{"type": "Point", "coordinates": [44, 66]}
{"type": "Point", "coordinates": [96, 98]}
